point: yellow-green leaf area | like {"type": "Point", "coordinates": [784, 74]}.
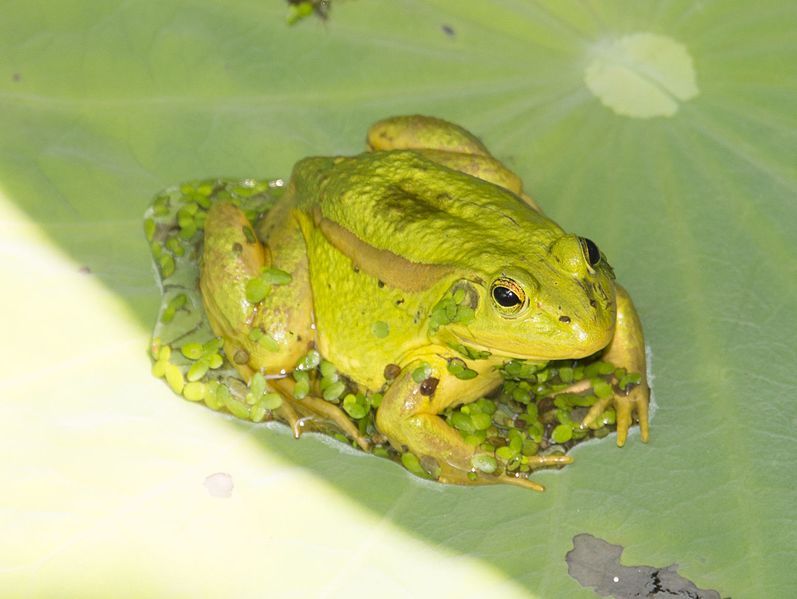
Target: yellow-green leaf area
{"type": "Point", "coordinates": [642, 75]}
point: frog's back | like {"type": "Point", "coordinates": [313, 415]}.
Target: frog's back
{"type": "Point", "coordinates": [413, 207]}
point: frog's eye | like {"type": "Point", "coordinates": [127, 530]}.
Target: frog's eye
{"type": "Point", "coordinates": [591, 252]}
{"type": "Point", "coordinates": [509, 296]}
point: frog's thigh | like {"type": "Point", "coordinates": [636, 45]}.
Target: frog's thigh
{"type": "Point", "coordinates": [416, 131]}
{"type": "Point", "coordinates": [231, 256]}
{"type": "Point", "coordinates": [286, 313]}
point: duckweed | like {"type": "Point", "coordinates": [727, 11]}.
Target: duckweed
{"type": "Point", "coordinates": [469, 352]}
{"type": "Point", "coordinates": [334, 391]}
{"type": "Point", "coordinates": [174, 377]}
{"type": "Point", "coordinates": [197, 370]}
{"type": "Point", "coordinates": [264, 340]}
{"type": "Point", "coordinates": [256, 290]}
{"type": "Point", "coordinates": [452, 309]}
{"type": "Point", "coordinates": [194, 391]}
{"type": "Point", "coordinates": [562, 433]}
{"type": "Point", "coordinates": [271, 401]}
{"type": "Point", "coordinates": [484, 462]}
{"type": "Point", "coordinates": [380, 329]}
{"type": "Point", "coordinates": [356, 406]}
{"type": "Point", "coordinates": [257, 412]}
{"type": "Point", "coordinates": [460, 370]}
{"type": "Point", "coordinates": [310, 360]}
{"type": "Point", "coordinates": [421, 373]}
{"type": "Point", "coordinates": [413, 464]}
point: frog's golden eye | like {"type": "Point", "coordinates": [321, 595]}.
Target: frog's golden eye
{"type": "Point", "coordinates": [509, 296]}
{"type": "Point", "coordinates": [591, 252]}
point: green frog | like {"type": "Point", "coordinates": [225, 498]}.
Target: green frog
{"type": "Point", "coordinates": [393, 263]}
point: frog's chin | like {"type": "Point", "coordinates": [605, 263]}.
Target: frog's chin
{"type": "Point", "coordinates": [543, 352]}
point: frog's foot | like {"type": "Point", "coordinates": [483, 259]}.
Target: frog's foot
{"type": "Point", "coordinates": [333, 413]}
{"type": "Point", "coordinates": [636, 401]}
{"type": "Point", "coordinates": [298, 413]}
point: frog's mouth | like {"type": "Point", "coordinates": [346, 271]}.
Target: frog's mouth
{"type": "Point", "coordinates": [574, 346]}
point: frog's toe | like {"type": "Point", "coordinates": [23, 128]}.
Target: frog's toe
{"type": "Point", "coordinates": [338, 417]}
{"type": "Point", "coordinates": [625, 406]}
{"type": "Point", "coordinates": [302, 414]}
{"type": "Point", "coordinates": [523, 481]}
{"type": "Point", "coordinates": [642, 414]}
{"type": "Point", "coordinates": [595, 412]}
{"type": "Point", "coordinates": [548, 461]}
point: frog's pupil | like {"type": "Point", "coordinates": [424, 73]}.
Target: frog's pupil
{"type": "Point", "coordinates": [593, 253]}
{"type": "Point", "coordinates": [505, 297]}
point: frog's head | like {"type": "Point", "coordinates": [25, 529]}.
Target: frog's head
{"type": "Point", "coordinates": [560, 304]}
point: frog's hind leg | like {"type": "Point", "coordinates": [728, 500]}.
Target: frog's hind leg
{"type": "Point", "coordinates": [447, 144]}
{"type": "Point", "coordinates": [414, 132]}
{"type": "Point", "coordinates": [265, 322]}
{"type": "Point", "coordinates": [298, 413]}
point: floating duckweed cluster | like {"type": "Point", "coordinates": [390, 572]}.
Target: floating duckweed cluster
{"type": "Point", "coordinates": [452, 309]}
{"type": "Point", "coordinates": [537, 411]}
{"type": "Point", "coordinates": [460, 369]}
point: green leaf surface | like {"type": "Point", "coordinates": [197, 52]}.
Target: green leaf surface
{"type": "Point", "coordinates": [685, 178]}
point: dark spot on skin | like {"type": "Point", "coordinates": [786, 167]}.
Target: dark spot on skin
{"type": "Point", "coordinates": [593, 303]}
{"type": "Point", "coordinates": [564, 319]}
{"type": "Point", "coordinates": [237, 248]}
{"type": "Point", "coordinates": [380, 284]}
{"type": "Point", "coordinates": [241, 356]}
{"type": "Point", "coordinates": [399, 301]}
{"type": "Point", "coordinates": [519, 423]}
{"type": "Point", "coordinates": [298, 337]}
{"type": "Point", "coordinates": [392, 371]}
{"type": "Point", "coordinates": [428, 386]}
{"type": "Point", "coordinates": [356, 269]}
{"type": "Point", "coordinates": [448, 30]}
{"type": "Point", "coordinates": [417, 318]}
{"type": "Point", "coordinates": [84, 270]}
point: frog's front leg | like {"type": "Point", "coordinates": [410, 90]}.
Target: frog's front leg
{"type": "Point", "coordinates": [626, 350]}
{"type": "Point", "coordinates": [409, 417]}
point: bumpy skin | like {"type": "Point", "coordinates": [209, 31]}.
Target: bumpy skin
{"type": "Point", "coordinates": [382, 237]}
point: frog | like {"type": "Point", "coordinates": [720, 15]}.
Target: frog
{"type": "Point", "coordinates": [395, 259]}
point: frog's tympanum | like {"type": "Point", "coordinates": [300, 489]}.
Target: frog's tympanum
{"type": "Point", "coordinates": [419, 268]}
